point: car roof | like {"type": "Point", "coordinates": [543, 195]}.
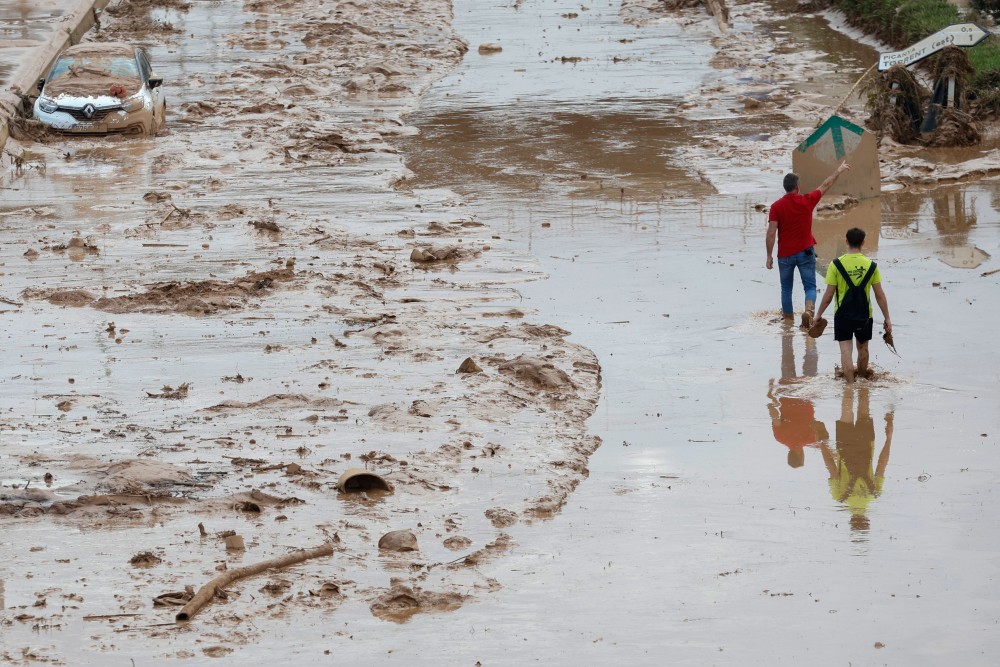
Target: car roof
{"type": "Point", "coordinates": [101, 48]}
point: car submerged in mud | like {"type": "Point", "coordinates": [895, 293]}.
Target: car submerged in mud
{"type": "Point", "coordinates": [101, 89]}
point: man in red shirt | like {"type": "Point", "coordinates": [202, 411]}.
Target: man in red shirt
{"type": "Point", "coordinates": [790, 220]}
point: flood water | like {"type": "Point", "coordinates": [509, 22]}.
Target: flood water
{"type": "Point", "coordinates": [744, 507]}
{"type": "Point", "coordinates": [716, 526]}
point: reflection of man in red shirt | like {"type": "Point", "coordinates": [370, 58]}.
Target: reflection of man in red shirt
{"type": "Point", "coordinates": [794, 424]}
{"type": "Point", "coordinates": [793, 419]}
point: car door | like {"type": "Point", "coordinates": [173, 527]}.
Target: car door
{"type": "Point", "coordinates": [157, 92]}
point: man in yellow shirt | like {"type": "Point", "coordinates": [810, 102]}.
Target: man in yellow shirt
{"type": "Point", "coordinates": [852, 277]}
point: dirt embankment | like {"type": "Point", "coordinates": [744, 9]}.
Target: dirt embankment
{"type": "Point", "coordinates": [424, 373]}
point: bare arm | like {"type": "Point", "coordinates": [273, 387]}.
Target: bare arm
{"type": "Point", "coordinates": [883, 305]}
{"type": "Point", "coordinates": [825, 301]}
{"type": "Point", "coordinates": [883, 457]}
{"type": "Point", "coordinates": [832, 178]}
{"type": "Point", "coordinates": [831, 464]}
{"type": "Point", "coordinates": [772, 233]}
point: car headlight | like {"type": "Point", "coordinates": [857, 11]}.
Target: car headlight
{"type": "Point", "coordinates": [47, 105]}
{"type": "Point", "coordinates": [132, 103]}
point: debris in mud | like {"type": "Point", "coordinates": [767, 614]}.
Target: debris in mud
{"type": "Point", "coordinates": [447, 253]}
{"type": "Point", "coordinates": [145, 559]}
{"type": "Point", "coordinates": [205, 297]}
{"type": "Point", "coordinates": [355, 480]}
{"type": "Point", "coordinates": [398, 540]}
{"type": "Point", "coordinates": [489, 47]}
{"type": "Point", "coordinates": [955, 128]}
{"type": "Point", "coordinates": [213, 587]}
{"type": "Point", "coordinates": [327, 589]}
{"type": "Point", "coordinates": [169, 392]}
{"type": "Point", "coordinates": [74, 298]}
{"type": "Point", "coordinates": [887, 338]}
{"type": "Point", "coordinates": [174, 598]}
{"type": "Point", "coordinates": [469, 366]}
{"type": "Point", "coordinates": [156, 197]}
{"type": "Point", "coordinates": [538, 373]}
{"type": "Point", "coordinates": [401, 602]}
{"type": "Point", "coordinates": [895, 102]}
{"type": "Point", "coordinates": [457, 542]}
{"type": "Point", "coordinates": [266, 225]}
{"type": "Point", "coordinates": [235, 543]}
{"type": "Point", "coordinates": [500, 517]}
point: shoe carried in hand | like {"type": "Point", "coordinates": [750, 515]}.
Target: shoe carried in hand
{"type": "Point", "coordinates": [818, 327]}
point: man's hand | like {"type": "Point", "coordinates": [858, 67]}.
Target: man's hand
{"type": "Point", "coordinates": [887, 326]}
{"type": "Point", "coordinates": [770, 262]}
{"type": "Point", "coordinates": [832, 178]}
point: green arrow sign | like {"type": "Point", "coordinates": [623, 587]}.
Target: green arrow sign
{"type": "Point", "coordinates": [835, 127]}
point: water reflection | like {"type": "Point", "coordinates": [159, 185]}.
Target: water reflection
{"type": "Point", "coordinates": [953, 210]}
{"type": "Point", "coordinates": [830, 232]}
{"type": "Point", "coordinates": [855, 478]}
{"type": "Point", "coordinates": [793, 419]}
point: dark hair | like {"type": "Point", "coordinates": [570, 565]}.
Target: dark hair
{"type": "Point", "coordinates": [791, 182]}
{"type": "Point", "coordinates": [855, 237]}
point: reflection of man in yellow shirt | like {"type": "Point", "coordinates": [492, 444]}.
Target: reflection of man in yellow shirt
{"type": "Point", "coordinates": [852, 480]}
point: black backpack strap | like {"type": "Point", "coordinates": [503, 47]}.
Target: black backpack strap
{"type": "Point", "coordinates": [868, 276]}
{"type": "Point", "coordinates": [843, 272]}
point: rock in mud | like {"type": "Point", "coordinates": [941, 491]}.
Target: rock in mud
{"type": "Point", "coordinates": [489, 47]}
{"type": "Point", "coordinates": [469, 366]}
{"type": "Point", "coordinates": [398, 540]}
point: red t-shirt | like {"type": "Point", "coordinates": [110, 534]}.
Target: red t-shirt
{"type": "Point", "coordinates": [793, 213]}
{"type": "Point", "coordinates": [794, 428]}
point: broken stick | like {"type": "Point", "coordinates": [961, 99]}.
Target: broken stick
{"type": "Point", "coordinates": [207, 592]}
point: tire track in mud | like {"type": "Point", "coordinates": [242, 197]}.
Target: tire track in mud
{"type": "Point", "coordinates": [319, 327]}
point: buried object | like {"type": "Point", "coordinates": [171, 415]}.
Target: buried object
{"type": "Point", "coordinates": [358, 479]}
{"type": "Point", "coordinates": [399, 540]}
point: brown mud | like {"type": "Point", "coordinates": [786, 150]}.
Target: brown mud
{"type": "Point", "coordinates": [352, 321]}
{"type": "Point", "coordinates": [288, 146]}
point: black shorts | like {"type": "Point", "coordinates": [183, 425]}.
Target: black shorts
{"type": "Point", "coordinates": [845, 329]}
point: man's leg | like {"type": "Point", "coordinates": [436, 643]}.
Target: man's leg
{"type": "Point", "coordinates": [846, 359]}
{"type": "Point", "coordinates": [786, 273]}
{"type": "Point", "coordinates": [863, 359]}
{"type": "Point", "coordinates": [807, 272]}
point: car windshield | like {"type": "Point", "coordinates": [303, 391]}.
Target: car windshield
{"type": "Point", "coordinates": [93, 74]}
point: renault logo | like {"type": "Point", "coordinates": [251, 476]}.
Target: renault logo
{"type": "Point", "coordinates": [89, 111]}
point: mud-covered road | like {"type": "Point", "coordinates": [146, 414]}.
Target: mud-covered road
{"type": "Point", "coordinates": [211, 326]}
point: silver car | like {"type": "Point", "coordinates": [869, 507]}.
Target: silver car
{"type": "Point", "coordinates": [99, 89]}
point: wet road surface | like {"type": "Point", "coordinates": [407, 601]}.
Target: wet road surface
{"type": "Point", "coordinates": [694, 540]}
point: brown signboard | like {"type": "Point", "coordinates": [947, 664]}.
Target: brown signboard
{"type": "Point", "coordinates": [833, 142]}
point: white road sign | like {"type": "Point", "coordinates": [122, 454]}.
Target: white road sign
{"type": "Point", "coordinates": [960, 34]}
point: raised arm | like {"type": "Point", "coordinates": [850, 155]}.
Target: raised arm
{"type": "Point", "coordinates": [832, 178]}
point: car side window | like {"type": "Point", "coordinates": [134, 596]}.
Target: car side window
{"type": "Point", "coordinates": [144, 66]}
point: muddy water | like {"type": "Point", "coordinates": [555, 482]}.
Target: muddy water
{"type": "Point", "coordinates": [692, 534]}
{"type": "Point", "coordinates": [719, 524]}
{"type": "Point", "coordinates": [24, 24]}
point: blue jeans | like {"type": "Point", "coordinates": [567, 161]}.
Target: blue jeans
{"type": "Point", "coordinates": [806, 262]}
